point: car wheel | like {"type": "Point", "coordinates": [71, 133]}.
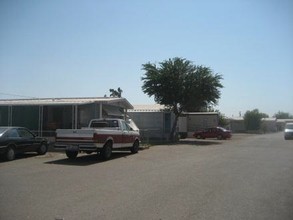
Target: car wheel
{"type": "Point", "coordinates": [71, 154]}
{"type": "Point", "coordinates": [106, 152]}
{"type": "Point", "coordinates": [42, 149]}
{"type": "Point", "coordinates": [198, 136]}
{"type": "Point", "coordinates": [134, 149]}
{"type": "Point", "coordinates": [10, 154]}
{"type": "Point", "coordinates": [220, 137]}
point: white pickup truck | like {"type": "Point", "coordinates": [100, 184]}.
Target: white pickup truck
{"type": "Point", "coordinates": [101, 136]}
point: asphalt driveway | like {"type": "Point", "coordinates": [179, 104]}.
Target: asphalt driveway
{"type": "Point", "coordinates": [248, 177]}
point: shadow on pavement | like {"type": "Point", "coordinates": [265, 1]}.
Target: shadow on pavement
{"type": "Point", "coordinates": [200, 142]}
{"type": "Point", "coordinates": [19, 156]}
{"type": "Point", "coordinates": [87, 159]}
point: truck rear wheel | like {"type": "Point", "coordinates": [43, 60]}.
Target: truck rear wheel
{"type": "Point", "coordinates": [106, 152]}
{"type": "Point", "coordinates": [71, 154]}
{"type": "Point", "coordinates": [42, 149]}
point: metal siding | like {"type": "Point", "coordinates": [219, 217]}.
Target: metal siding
{"type": "Point", "coordinates": [85, 114]}
{"type": "Point", "coordinates": [150, 124]}
{"type": "Point", "coordinates": [26, 116]}
{"type": "Point", "coordinates": [197, 122]}
{"type": "Point", "coordinates": [4, 115]}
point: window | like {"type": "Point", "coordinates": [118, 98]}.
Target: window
{"type": "Point", "coordinates": [129, 127]}
{"type": "Point", "coordinates": [113, 124]}
{"type": "Point", "coordinates": [99, 125]}
{"type": "Point", "coordinates": [25, 133]}
{"type": "Point", "coordinates": [126, 127]}
{"type": "Point", "coordinates": [105, 124]}
{"type": "Point", "coordinates": [12, 133]}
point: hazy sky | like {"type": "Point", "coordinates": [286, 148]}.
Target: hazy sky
{"type": "Point", "coordinates": [68, 48]}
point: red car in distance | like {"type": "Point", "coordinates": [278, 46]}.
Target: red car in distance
{"type": "Point", "coordinates": [216, 132]}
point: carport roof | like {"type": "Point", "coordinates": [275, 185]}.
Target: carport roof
{"type": "Point", "coordinates": [121, 102]}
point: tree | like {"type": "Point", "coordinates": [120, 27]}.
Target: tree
{"type": "Point", "coordinates": [116, 93]}
{"type": "Point", "coordinates": [252, 119]}
{"type": "Point", "coordinates": [181, 86]}
{"type": "Point", "coordinates": [223, 122]}
{"type": "Point", "coordinates": [283, 115]}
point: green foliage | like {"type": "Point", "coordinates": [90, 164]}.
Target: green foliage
{"type": "Point", "coordinates": [283, 115]}
{"type": "Point", "coordinates": [252, 120]}
{"type": "Point", "coordinates": [116, 93]}
{"type": "Point", "coordinates": [181, 86]}
{"type": "Point", "coordinates": [223, 122]}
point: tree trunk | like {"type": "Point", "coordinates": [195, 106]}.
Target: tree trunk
{"type": "Point", "coordinates": [172, 136]}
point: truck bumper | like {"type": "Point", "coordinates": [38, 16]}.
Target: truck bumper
{"type": "Point", "coordinates": [77, 147]}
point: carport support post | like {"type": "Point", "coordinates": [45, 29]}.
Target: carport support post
{"type": "Point", "coordinates": [75, 116]}
{"type": "Point", "coordinates": [125, 114]}
{"type": "Point", "coordinates": [40, 128]}
{"type": "Point", "coordinates": [10, 115]}
{"type": "Point", "coordinates": [101, 110]}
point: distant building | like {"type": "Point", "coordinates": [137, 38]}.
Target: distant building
{"type": "Point", "coordinates": [237, 125]}
{"type": "Point", "coordinates": [44, 116]}
{"type": "Point", "coordinates": [269, 125]}
{"type": "Point", "coordinates": [155, 122]}
{"type": "Point", "coordinates": [282, 122]}
{"type": "Point", "coordinates": [200, 120]}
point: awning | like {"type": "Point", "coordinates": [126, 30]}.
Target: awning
{"type": "Point", "coordinates": [120, 102]}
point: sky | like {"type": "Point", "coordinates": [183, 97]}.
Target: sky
{"type": "Point", "coordinates": [70, 48]}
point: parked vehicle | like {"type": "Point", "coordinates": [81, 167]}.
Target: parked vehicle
{"type": "Point", "coordinates": [217, 132]}
{"type": "Point", "coordinates": [14, 140]}
{"type": "Point", "coordinates": [101, 136]}
{"type": "Point", "coordinates": [288, 132]}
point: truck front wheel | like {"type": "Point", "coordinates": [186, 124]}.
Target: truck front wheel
{"type": "Point", "coordinates": [106, 152]}
{"type": "Point", "coordinates": [10, 154]}
{"type": "Point", "coordinates": [71, 154]}
{"type": "Point", "coordinates": [134, 149]}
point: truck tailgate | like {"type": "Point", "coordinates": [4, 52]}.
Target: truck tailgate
{"type": "Point", "coordinates": [70, 135]}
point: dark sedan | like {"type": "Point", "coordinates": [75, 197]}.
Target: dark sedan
{"type": "Point", "coordinates": [217, 132]}
{"type": "Point", "coordinates": [14, 140]}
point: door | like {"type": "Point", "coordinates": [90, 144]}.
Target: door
{"type": "Point", "coordinates": [13, 138]}
{"type": "Point", "coordinates": [27, 140]}
{"type": "Point", "coordinates": [127, 136]}
{"type": "Point", "coordinates": [214, 133]}
{"type": "Point", "coordinates": [209, 133]}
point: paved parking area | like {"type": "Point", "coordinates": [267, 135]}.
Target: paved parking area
{"type": "Point", "coordinates": [248, 177]}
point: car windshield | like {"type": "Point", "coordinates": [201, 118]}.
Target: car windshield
{"type": "Point", "coordinates": [223, 129]}
{"type": "Point", "coordinates": [2, 130]}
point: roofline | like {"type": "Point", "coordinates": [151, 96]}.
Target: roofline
{"type": "Point", "coordinates": [199, 113]}
{"type": "Point", "coordinates": [123, 102]}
